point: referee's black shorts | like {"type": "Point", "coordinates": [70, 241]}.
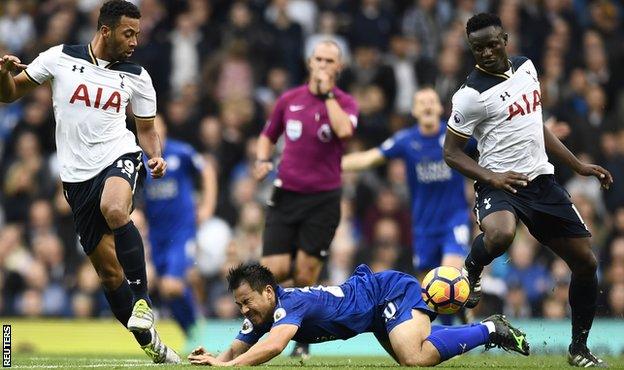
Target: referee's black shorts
{"type": "Point", "coordinates": [84, 198]}
{"type": "Point", "coordinates": [543, 205]}
{"type": "Point", "coordinates": [298, 221]}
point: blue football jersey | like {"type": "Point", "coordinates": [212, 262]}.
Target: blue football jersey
{"type": "Point", "coordinates": [437, 191]}
{"type": "Point", "coordinates": [169, 200]}
{"type": "Point", "coordinates": [366, 302]}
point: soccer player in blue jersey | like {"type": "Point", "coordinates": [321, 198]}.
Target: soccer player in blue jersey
{"type": "Point", "coordinates": [170, 211]}
{"type": "Point", "coordinates": [388, 304]}
{"type": "Point", "coordinates": [440, 216]}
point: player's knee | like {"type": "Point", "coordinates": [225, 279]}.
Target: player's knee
{"type": "Point", "coordinates": [417, 360]}
{"type": "Point", "coordinates": [171, 288]}
{"type": "Point", "coordinates": [585, 265]}
{"type": "Point", "coordinates": [116, 214]}
{"type": "Point", "coordinates": [110, 277]}
{"type": "Point", "coordinates": [498, 240]}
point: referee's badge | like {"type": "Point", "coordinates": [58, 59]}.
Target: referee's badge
{"type": "Point", "coordinates": [294, 129]}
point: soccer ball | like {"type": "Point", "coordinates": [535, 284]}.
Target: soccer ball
{"type": "Point", "coordinates": [445, 289]}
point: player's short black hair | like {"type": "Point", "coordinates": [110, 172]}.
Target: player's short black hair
{"type": "Point", "coordinates": [482, 20]}
{"type": "Point", "coordinates": [256, 275]}
{"type": "Point", "coordinates": [112, 11]}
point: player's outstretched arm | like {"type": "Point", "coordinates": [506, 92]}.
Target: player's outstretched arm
{"type": "Point", "coordinates": [209, 186]}
{"type": "Point", "coordinates": [264, 350]}
{"type": "Point", "coordinates": [200, 356]}
{"type": "Point", "coordinates": [555, 147]}
{"type": "Point", "coordinates": [362, 160]}
{"type": "Point", "coordinates": [150, 143]}
{"type": "Point", "coordinates": [13, 88]}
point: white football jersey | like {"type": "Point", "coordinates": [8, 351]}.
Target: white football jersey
{"type": "Point", "coordinates": [503, 112]}
{"type": "Point", "coordinates": [89, 97]}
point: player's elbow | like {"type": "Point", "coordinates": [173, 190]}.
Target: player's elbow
{"type": "Point", "coordinates": [449, 155]}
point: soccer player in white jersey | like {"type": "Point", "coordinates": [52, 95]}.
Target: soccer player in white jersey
{"type": "Point", "coordinates": [99, 158]}
{"type": "Point", "coordinates": [500, 106]}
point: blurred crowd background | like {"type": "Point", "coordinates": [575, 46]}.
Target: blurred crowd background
{"type": "Point", "coordinates": [218, 67]}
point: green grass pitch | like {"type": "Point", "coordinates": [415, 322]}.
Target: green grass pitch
{"type": "Point", "coordinates": [103, 361]}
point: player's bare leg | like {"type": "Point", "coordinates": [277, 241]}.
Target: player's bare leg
{"type": "Point", "coordinates": [455, 260]}
{"type": "Point", "coordinates": [307, 272]}
{"type": "Point", "coordinates": [499, 230]}
{"type": "Point", "coordinates": [279, 264]}
{"type": "Point", "coordinates": [578, 255]}
{"type": "Point", "coordinates": [408, 342]}
{"type": "Point", "coordinates": [116, 204]}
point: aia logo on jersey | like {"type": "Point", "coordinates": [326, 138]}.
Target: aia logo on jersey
{"type": "Point", "coordinates": [82, 94]}
{"type": "Point", "coordinates": [528, 104]}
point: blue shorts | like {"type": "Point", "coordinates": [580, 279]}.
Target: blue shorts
{"type": "Point", "coordinates": [430, 249]}
{"type": "Point", "coordinates": [399, 294]}
{"type": "Point", "coordinates": [173, 255]}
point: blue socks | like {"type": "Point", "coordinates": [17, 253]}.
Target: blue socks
{"type": "Point", "coordinates": [182, 309]}
{"type": "Point", "coordinates": [455, 340]}
{"type": "Point", "coordinates": [129, 249]}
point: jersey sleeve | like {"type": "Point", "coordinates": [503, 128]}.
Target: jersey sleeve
{"type": "Point", "coordinates": [467, 112]}
{"type": "Point", "coordinates": [291, 311]}
{"type": "Point", "coordinates": [393, 147]}
{"type": "Point", "coordinates": [43, 68]}
{"type": "Point", "coordinates": [249, 334]}
{"type": "Point", "coordinates": [194, 160]}
{"type": "Point", "coordinates": [274, 127]}
{"type": "Point", "coordinates": [143, 99]}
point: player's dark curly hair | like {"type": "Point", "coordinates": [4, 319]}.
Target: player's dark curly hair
{"type": "Point", "coordinates": [112, 11]}
{"type": "Point", "coordinates": [256, 275]}
{"type": "Point", "coordinates": [482, 20]}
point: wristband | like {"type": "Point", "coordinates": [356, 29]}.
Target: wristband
{"type": "Point", "coordinates": [328, 95]}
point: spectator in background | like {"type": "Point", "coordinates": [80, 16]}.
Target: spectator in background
{"type": "Point", "coordinates": [327, 29]}
{"type": "Point", "coordinates": [304, 209]}
{"type": "Point", "coordinates": [17, 29]}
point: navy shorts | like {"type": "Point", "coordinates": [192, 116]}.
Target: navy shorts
{"type": "Point", "coordinates": [543, 205]}
{"type": "Point", "coordinates": [297, 221]}
{"type": "Point", "coordinates": [84, 198]}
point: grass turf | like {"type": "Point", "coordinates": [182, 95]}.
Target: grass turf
{"type": "Point", "coordinates": [103, 361]}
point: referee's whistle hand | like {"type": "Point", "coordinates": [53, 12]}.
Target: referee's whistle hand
{"type": "Point", "coordinates": [157, 166]}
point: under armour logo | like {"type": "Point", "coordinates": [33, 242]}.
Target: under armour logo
{"type": "Point", "coordinates": [122, 76]}
{"type": "Point", "coordinates": [487, 203]}
{"type": "Point", "coordinates": [75, 68]}
{"type": "Point", "coordinates": [505, 96]}
{"type": "Point", "coordinates": [136, 282]}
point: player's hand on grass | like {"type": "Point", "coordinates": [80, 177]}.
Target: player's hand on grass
{"type": "Point", "coordinates": [261, 169]}
{"type": "Point", "coordinates": [11, 63]}
{"type": "Point", "coordinates": [594, 170]}
{"type": "Point", "coordinates": [509, 181]}
{"type": "Point", "coordinates": [200, 356]}
{"type": "Point", "coordinates": [157, 166]}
